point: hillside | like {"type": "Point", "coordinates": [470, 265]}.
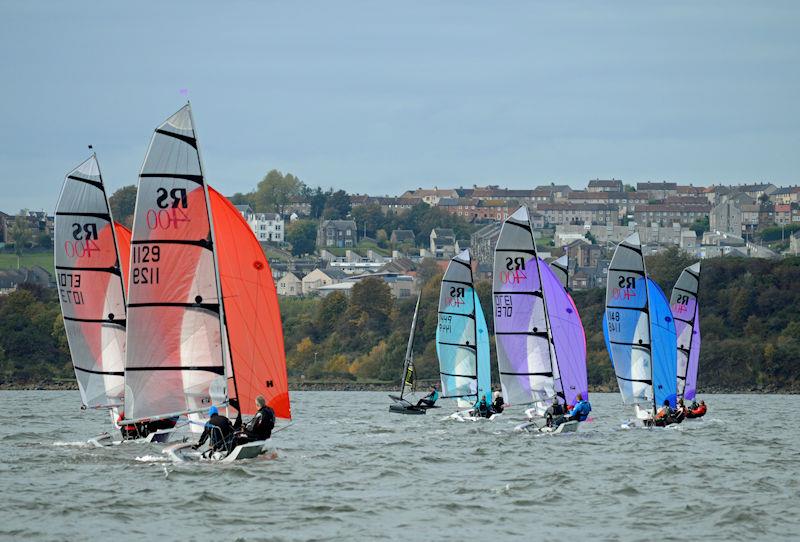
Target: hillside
{"type": "Point", "coordinates": [750, 321]}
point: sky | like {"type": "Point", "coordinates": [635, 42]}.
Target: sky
{"type": "Point", "coordinates": [381, 97]}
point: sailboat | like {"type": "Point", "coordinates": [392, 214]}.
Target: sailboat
{"type": "Point", "coordinates": [686, 312]}
{"type": "Point", "coordinates": [528, 300]}
{"type": "Point", "coordinates": [90, 257]}
{"type": "Point", "coordinates": [401, 403]}
{"type": "Point", "coordinates": [190, 346]}
{"type": "Point", "coordinates": [462, 338]}
{"type": "Point", "coordinates": [639, 332]}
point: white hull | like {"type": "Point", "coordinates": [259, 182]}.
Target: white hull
{"type": "Point", "coordinates": [103, 440]}
{"type": "Point", "coordinates": [466, 416]}
{"type": "Point", "coordinates": [182, 452]}
{"type": "Point", "coordinates": [566, 427]}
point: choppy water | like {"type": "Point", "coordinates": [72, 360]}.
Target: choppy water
{"type": "Point", "coordinates": [348, 469]}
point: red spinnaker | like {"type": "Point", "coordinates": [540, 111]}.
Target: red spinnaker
{"type": "Point", "coordinates": [252, 313]}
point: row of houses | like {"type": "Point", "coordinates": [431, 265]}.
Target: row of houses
{"type": "Point", "coordinates": [323, 282]}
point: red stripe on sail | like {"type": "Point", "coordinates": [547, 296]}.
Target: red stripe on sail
{"type": "Point", "coordinates": [251, 312]}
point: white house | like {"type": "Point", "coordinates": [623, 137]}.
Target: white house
{"type": "Point", "coordinates": [268, 227]}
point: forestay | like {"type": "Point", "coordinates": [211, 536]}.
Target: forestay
{"type": "Point", "coordinates": [686, 312]}
{"type": "Point", "coordinates": [462, 340]}
{"type": "Point", "coordinates": [175, 336]}
{"type": "Point", "coordinates": [569, 337]}
{"type": "Point", "coordinates": [526, 356]}
{"type": "Point", "coordinates": [90, 286]}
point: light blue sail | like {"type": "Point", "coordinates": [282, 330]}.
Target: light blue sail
{"type": "Point", "coordinates": [484, 363]}
{"type": "Point", "coordinates": [664, 346]}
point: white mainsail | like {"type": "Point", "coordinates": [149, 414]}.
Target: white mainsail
{"type": "Point", "coordinates": [176, 357]}
{"type": "Point", "coordinates": [686, 312]}
{"type": "Point", "coordinates": [526, 355]}
{"type": "Point", "coordinates": [90, 286]}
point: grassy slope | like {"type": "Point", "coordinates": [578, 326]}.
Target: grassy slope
{"type": "Point", "coordinates": [28, 259]}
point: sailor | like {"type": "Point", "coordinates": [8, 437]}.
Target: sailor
{"type": "Point", "coordinates": [219, 428]}
{"type": "Point", "coordinates": [699, 411]}
{"type": "Point", "coordinates": [482, 408]}
{"type": "Point", "coordinates": [130, 431]}
{"type": "Point", "coordinates": [553, 411]}
{"type": "Point", "coordinates": [680, 412]}
{"type": "Point", "coordinates": [498, 403]}
{"type": "Point", "coordinates": [664, 414]}
{"type": "Point", "coordinates": [429, 400]}
{"type": "Point", "coordinates": [260, 426]}
{"type": "Point", "coordinates": [580, 412]}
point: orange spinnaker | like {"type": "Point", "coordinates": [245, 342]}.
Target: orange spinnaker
{"type": "Point", "coordinates": [124, 245]}
{"type": "Point", "coordinates": [251, 312]}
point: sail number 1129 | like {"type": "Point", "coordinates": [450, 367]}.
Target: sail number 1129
{"type": "Point", "coordinates": [142, 270]}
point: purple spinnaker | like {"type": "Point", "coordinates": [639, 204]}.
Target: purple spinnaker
{"type": "Point", "coordinates": [568, 336]}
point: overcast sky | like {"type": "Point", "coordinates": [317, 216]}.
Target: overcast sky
{"type": "Point", "coordinates": [380, 97]}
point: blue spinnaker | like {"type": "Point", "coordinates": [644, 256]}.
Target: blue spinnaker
{"type": "Point", "coordinates": [663, 345]}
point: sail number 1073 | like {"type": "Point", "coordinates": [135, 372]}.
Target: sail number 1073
{"type": "Point", "coordinates": [142, 258]}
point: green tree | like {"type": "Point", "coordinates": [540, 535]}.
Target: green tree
{"type": "Point", "coordinates": [302, 235]}
{"type": "Point", "coordinates": [20, 234]}
{"type": "Point", "coordinates": [44, 241]}
{"type": "Point", "coordinates": [700, 226]}
{"type": "Point", "coordinates": [275, 192]}
{"type": "Point", "coordinates": [337, 206]}
{"type": "Point", "coordinates": [123, 204]}
{"type": "Point", "coordinates": [372, 216]}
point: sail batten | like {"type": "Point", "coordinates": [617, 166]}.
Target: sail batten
{"type": "Point", "coordinates": [89, 278]}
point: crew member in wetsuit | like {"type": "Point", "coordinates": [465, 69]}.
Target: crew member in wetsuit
{"type": "Point", "coordinates": [429, 400]}
{"type": "Point", "coordinates": [664, 414]}
{"type": "Point", "coordinates": [220, 430]}
{"type": "Point", "coordinates": [680, 412]}
{"type": "Point", "coordinates": [130, 431]}
{"type": "Point", "coordinates": [482, 408]}
{"type": "Point", "coordinates": [697, 412]}
{"type": "Point", "coordinates": [580, 412]}
{"type": "Point", "coordinates": [260, 426]}
{"type": "Point", "coordinates": [498, 404]}
{"type": "Point", "coordinates": [553, 411]}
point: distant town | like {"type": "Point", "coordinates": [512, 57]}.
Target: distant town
{"type": "Point", "coordinates": [323, 242]}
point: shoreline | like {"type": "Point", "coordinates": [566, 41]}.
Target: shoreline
{"type": "Point", "coordinates": [65, 385]}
